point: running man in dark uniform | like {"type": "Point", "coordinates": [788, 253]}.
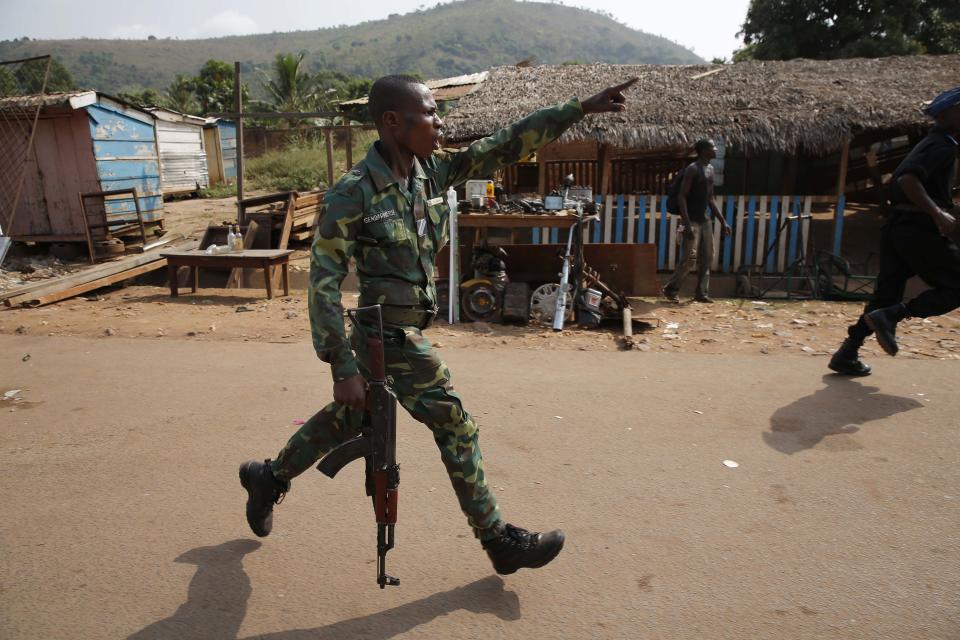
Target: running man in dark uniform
{"type": "Point", "coordinates": [916, 240]}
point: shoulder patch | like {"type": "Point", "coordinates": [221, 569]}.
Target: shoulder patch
{"type": "Point", "coordinates": [348, 182]}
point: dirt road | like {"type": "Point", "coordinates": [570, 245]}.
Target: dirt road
{"type": "Point", "coordinates": [123, 516]}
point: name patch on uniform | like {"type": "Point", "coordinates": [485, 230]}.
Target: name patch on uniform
{"type": "Point", "coordinates": [434, 201]}
{"type": "Point", "coordinates": [389, 214]}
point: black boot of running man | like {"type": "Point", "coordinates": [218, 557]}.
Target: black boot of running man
{"type": "Point", "coordinates": [515, 548]}
{"type": "Point", "coordinates": [847, 360]}
{"type": "Point", "coordinates": [884, 324]}
{"type": "Point", "coordinates": [263, 491]}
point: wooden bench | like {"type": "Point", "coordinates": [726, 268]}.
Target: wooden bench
{"type": "Point", "coordinates": [265, 259]}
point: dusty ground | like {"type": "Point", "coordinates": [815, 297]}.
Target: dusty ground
{"type": "Point", "coordinates": [123, 514]}
{"type": "Point", "coordinates": [728, 326]}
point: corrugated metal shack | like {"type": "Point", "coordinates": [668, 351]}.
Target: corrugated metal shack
{"type": "Point", "coordinates": [220, 143]}
{"type": "Point", "coordinates": [85, 141]}
{"type": "Point", "coordinates": [183, 161]}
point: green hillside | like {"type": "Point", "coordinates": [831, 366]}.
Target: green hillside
{"type": "Point", "coordinates": [447, 40]}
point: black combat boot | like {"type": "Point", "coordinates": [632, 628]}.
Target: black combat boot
{"type": "Point", "coordinates": [263, 491]}
{"type": "Point", "coordinates": [847, 361]}
{"type": "Point", "coordinates": [884, 324]}
{"type": "Point", "coordinates": [517, 548]}
{"type": "Point", "coordinates": [670, 294]}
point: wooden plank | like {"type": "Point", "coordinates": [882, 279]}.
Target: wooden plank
{"type": "Point", "coordinates": [641, 220]}
{"type": "Point", "coordinates": [761, 231]}
{"type": "Point", "coordinates": [841, 196]}
{"type": "Point", "coordinates": [771, 256]}
{"type": "Point", "coordinates": [161, 242]}
{"type": "Point", "coordinates": [662, 244]}
{"type": "Point", "coordinates": [328, 142]}
{"type": "Point", "coordinates": [838, 224]}
{"type": "Point", "coordinates": [805, 227]}
{"type": "Point", "coordinates": [728, 241]}
{"type": "Point", "coordinates": [652, 230]}
{"type": "Point", "coordinates": [349, 149]}
{"type": "Point", "coordinates": [306, 234]}
{"type": "Point", "coordinates": [91, 273]}
{"type": "Point", "coordinates": [38, 299]}
{"type": "Point", "coordinates": [631, 223]}
{"type": "Point", "coordinates": [309, 198]}
{"type": "Point", "coordinates": [715, 230]}
{"type": "Point", "coordinates": [748, 235]}
{"type": "Point", "coordinates": [618, 222]}
{"type": "Point", "coordinates": [283, 241]}
{"type": "Point", "coordinates": [608, 220]}
{"type": "Point", "coordinates": [738, 234]}
{"type": "Point", "coordinates": [606, 169]}
{"type": "Point", "coordinates": [672, 243]}
{"type": "Point", "coordinates": [782, 248]}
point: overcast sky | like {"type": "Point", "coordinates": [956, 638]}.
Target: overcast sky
{"type": "Point", "coordinates": [708, 27]}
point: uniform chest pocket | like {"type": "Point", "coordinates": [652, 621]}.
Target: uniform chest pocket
{"type": "Point", "coordinates": [385, 232]}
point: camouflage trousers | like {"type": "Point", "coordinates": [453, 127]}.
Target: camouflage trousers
{"type": "Point", "coordinates": [421, 382]}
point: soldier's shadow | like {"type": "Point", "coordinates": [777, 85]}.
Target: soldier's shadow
{"type": "Point", "coordinates": [838, 408]}
{"type": "Point", "coordinates": [216, 598]}
{"type": "Point", "coordinates": [486, 596]}
{"type": "Point", "coordinates": [218, 593]}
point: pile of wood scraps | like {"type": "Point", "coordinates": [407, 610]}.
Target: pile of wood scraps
{"type": "Point", "coordinates": [283, 216]}
{"type": "Point", "coordinates": [306, 209]}
{"type": "Point", "coordinates": [97, 276]}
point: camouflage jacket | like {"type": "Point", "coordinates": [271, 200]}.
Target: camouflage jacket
{"type": "Point", "coordinates": [369, 216]}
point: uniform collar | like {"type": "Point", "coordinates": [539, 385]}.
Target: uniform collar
{"type": "Point", "coordinates": [943, 132]}
{"type": "Point", "coordinates": [380, 171]}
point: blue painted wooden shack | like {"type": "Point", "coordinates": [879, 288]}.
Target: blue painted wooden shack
{"type": "Point", "coordinates": [220, 142]}
{"type": "Point", "coordinates": [85, 142]}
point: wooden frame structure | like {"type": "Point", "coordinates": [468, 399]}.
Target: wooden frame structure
{"type": "Point", "coordinates": [110, 223]}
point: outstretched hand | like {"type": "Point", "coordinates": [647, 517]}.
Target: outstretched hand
{"type": "Point", "coordinates": [609, 100]}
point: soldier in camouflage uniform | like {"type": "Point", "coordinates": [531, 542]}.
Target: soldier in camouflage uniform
{"type": "Point", "coordinates": [390, 215]}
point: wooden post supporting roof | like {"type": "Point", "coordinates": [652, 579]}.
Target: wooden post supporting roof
{"type": "Point", "coordinates": [541, 175]}
{"type": "Point", "coordinates": [238, 106]}
{"type": "Point", "coordinates": [606, 168]}
{"type": "Point", "coordinates": [841, 190]}
{"type": "Point", "coordinates": [328, 139]}
{"type": "Point", "coordinates": [349, 147]}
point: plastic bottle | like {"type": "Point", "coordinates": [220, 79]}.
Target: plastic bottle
{"type": "Point", "coordinates": [230, 238]}
{"type": "Point", "coordinates": [237, 239]}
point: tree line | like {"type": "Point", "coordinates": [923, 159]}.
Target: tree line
{"type": "Point", "coordinates": [288, 87]}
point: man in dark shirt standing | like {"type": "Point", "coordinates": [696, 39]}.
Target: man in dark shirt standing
{"type": "Point", "coordinates": [915, 241]}
{"type": "Point", "coordinates": [696, 195]}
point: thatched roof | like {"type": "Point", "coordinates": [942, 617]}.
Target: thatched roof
{"type": "Point", "coordinates": [443, 89]}
{"type": "Point", "coordinates": [785, 106]}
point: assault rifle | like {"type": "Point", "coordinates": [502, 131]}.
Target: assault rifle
{"type": "Point", "coordinates": [376, 444]}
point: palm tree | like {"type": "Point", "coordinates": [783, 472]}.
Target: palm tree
{"type": "Point", "coordinates": [180, 95]}
{"type": "Point", "coordinates": [291, 89]}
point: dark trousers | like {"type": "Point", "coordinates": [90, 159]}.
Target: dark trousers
{"type": "Point", "coordinates": [911, 246]}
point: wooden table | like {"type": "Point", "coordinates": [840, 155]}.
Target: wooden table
{"type": "Point", "coordinates": [481, 222]}
{"type": "Point", "coordinates": [264, 259]}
